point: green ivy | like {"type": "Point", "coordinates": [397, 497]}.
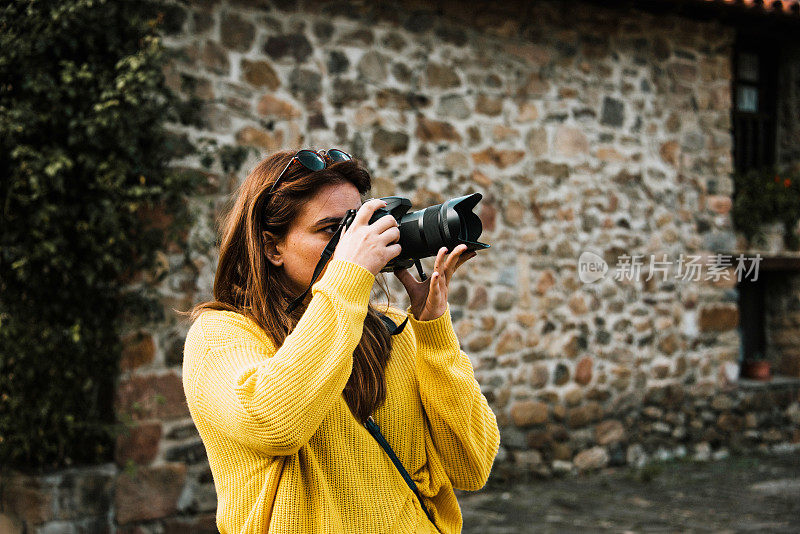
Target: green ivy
{"type": "Point", "coordinates": [84, 164]}
{"type": "Point", "coordinates": [764, 196]}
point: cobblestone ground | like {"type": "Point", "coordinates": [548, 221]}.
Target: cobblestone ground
{"type": "Point", "coordinates": [737, 494]}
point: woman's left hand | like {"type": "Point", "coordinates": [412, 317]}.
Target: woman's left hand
{"type": "Point", "coordinates": [429, 298]}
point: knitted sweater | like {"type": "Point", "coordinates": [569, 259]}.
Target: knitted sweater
{"type": "Point", "coordinates": [286, 453]}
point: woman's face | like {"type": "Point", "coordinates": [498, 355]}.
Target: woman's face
{"type": "Point", "coordinates": [299, 251]}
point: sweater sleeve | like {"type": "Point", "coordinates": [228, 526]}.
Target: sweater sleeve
{"type": "Point", "coordinates": [275, 403]}
{"type": "Point", "coordinates": [463, 427]}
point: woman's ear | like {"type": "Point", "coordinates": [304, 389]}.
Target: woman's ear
{"type": "Point", "coordinates": [271, 248]}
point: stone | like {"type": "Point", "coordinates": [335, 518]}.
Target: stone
{"type": "Point", "coordinates": [347, 92]}
{"type": "Point", "coordinates": [480, 342]}
{"type": "Point", "coordinates": [305, 84]}
{"type": "Point", "coordinates": [536, 141]}
{"type": "Point", "coordinates": [609, 432]}
{"type": "Point", "coordinates": [728, 422]}
{"type": "Point", "coordinates": [480, 298]}
{"type": "Point", "coordinates": [534, 86]}
{"type": "Point", "coordinates": [188, 453]}
{"type": "Point", "coordinates": [275, 108]}
{"type": "Point", "coordinates": [670, 152]}
{"type": "Point", "coordinates": [789, 364]}
{"type": "Point", "coordinates": [591, 459]}
{"type": "Point", "coordinates": [527, 112]}
{"type": "Point", "coordinates": [215, 58]}
{"type": "Point", "coordinates": [138, 444]}
{"type": "Point", "coordinates": [545, 282]}
{"type": "Point", "coordinates": [25, 497]}
{"type": "Point", "coordinates": [513, 215]}
{"type": "Point", "coordinates": [583, 415]}
{"type": "Point", "coordinates": [669, 343]}
{"type": "Point", "coordinates": [722, 402]}
{"type": "Point", "coordinates": [501, 133]}
{"type": "Point", "coordinates": [498, 158]}
{"type": "Point", "coordinates": [395, 41]}
{"type": "Point", "coordinates": [236, 33]}
{"type": "Point", "coordinates": [702, 452]}
{"type": "Point", "coordinates": [561, 374]}
{"type": "Point", "coordinates": [570, 141]}
{"type": "Point", "coordinates": [453, 106]}
{"type": "Point", "coordinates": [294, 45]}
{"type": "Point", "coordinates": [613, 112]}
{"type": "Point", "coordinates": [609, 154]}
{"type": "Point", "coordinates": [432, 130]}
{"type": "Point", "coordinates": [269, 141]}
{"type": "Point", "coordinates": [441, 76]}
{"type": "Point", "coordinates": [683, 72]}
{"type": "Point", "coordinates": [583, 371]}
{"type": "Point", "coordinates": [573, 396]}
{"type": "Point", "coordinates": [402, 100]}
{"type": "Point", "coordinates": [489, 106]}
{"type": "Point", "coordinates": [538, 439]}
{"type": "Point", "coordinates": [561, 451]}
{"type": "Point", "coordinates": [562, 467]}
{"type": "Point", "coordinates": [510, 341]}
{"type": "Point", "coordinates": [504, 300]}
{"type": "Point", "coordinates": [152, 397]}
{"type": "Point", "coordinates": [337, 62]}
{"type": "Point", "coordinates": [528, 412]}
{"type": "Point", "coordinates": [202, 22]}
{"type": "Point", "coordinates": [359, 37]}
{"type": "Point", "coordinates": [577, 304]}
{"type": "Point", "coordinates": [316, 121]}
{"type": "Point", "coordinates": [10, 524]}
{"type": "Point", "coordinates": [152, 493]}
{"type": "Point", "coordinates": [138, 348]}
{"type": "Point", "coordinates": [387, 143]}
{"type": "Point", "coordinates": [260, 74]}
{"type": "Point", "coordinates": [528, 460]}
{"type": "Point", "coordinates": [718, 317]}
{"type": "Point", "coordinates": [539, 376]}
{"type": "Point", "coordinates": [195, 524]}
{"type": "Point", "coordinates": [372, 67]}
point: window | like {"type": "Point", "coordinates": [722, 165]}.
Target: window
{"type": "Point", "coordinates": [754, 96]}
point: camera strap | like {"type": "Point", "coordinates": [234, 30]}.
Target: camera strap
{"type": "Point", "coordinates": [375, 430]}
{"type": "Point", "coordinates": [326, 255]}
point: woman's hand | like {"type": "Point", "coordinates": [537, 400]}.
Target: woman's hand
{"type": "Point", "coordinates": [429, 298]}
{"type": "Point", "coordinates": [370, 245]}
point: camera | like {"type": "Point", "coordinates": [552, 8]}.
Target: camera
{"type": "Point", "coordinates": [424, 232]}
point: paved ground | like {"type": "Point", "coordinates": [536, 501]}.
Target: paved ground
{"type": "Point", "coordinates": [738, 494]}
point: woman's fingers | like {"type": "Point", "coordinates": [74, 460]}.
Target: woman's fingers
{"type": "Point", "coordinates": [452, 262]}
{"type": "Point", "coordinates": [365, 212]}
{"type": "Point", "coordinates": [391, 235]}
{"type": "Point", "coordinates": [385, 223]}
{"type": "Point", "coordinates": [437, 265]}
{"type": "Point", "coordinates": [406, 278]}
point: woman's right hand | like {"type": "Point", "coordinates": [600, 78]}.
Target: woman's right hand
{"type": "Point", "coordinates": [371, 246]}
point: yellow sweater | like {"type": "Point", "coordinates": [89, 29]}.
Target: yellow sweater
{"type": "Point", "coordinates": [286, 453]}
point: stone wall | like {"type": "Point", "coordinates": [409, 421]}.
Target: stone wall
{"type": "Point", "coordinates": [782, 323]}
{"type": "Point", "coordinates": [586, 129]}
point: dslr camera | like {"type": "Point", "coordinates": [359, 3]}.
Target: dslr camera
{"type": "Point", "coordinates": [424, 232]}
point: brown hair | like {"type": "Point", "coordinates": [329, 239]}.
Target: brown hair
{"type": "Point", "coordinates": [247, 283]}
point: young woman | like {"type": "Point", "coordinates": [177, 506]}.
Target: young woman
{"type": "Point", "coordinates": [281, 399]}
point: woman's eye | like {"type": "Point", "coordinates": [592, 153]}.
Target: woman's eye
{"type": "Point", "coordinates": [332, 228]}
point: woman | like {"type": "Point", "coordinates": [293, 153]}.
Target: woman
{"type": "Point", "coordinates": [280, 399]}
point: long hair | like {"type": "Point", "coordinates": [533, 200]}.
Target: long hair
{"type": "Point", "coordinates": [247, 283]}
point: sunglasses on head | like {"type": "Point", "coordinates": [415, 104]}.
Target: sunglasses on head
{"type": "Point", "coordinates": [313, 161]}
